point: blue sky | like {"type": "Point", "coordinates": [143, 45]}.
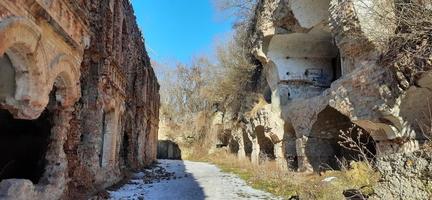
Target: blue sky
{"type": "Point", "coordinates": [178, 30]}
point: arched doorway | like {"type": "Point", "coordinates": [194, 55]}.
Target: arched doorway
{"type": "Point", "coordinates": [24, 144]}
{"type": "Point", "coordinates": [266, 148]}
{"type": "Point", "coordinates": [247, 144]}
{"type": "Point", "coordinates": [234, 146]}
{"type": "Point", "coordinates": [289, 146]}
{"type": "Point", "coordinates": [325, 147]}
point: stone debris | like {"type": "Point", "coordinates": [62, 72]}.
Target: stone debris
{"type": "Point", "coordinates": [354, 194]}
{"type": "Point", "coordinates": [405, 175]}
{"type": "Point", "coordinates": [158, 174]}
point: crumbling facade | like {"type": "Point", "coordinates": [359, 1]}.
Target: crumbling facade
{"type": "Point", "coordinates": [322, 65]}
{"type": "Point", "coordinates": [79, 100]}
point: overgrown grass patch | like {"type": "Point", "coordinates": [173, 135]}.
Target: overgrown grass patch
{"type": "Point", "coordinates": [271, 178]}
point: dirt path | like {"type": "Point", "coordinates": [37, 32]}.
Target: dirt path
{"type": "Point", "coordinates": [187, 180]}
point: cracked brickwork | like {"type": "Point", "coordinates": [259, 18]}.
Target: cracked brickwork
{"type": "Point", "coordinates": [91, 56]}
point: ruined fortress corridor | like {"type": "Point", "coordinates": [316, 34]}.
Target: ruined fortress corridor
{"type": "Point", "coordinates": [304, 99]}
{"type": "Point", "coordinates": [79, 100]}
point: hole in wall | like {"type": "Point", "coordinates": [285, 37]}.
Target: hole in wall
{"type": "Point", "coordinates": [247, 144]}
{"type": "Point", "coordinates": [223, 138]}
{"type": "Point", "coordinates": [268, 95]}
{"type": "Point", "coordinates": [337, 67]}
{"type": "Point", "coordinates": [24, 144]}
{"type": "Point", "coordinates": [125, 149]}
{"type": "Point", "coordinates": [234, 146]}
{"type": "Point", "coordinates": [266, 147]}
{"type": "Point", "coordinates": [289, 145]}
{"type": "Point", "coordinates": [323, 147]}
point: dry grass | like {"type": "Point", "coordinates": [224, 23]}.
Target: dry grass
{"type": "Point", "coordinates": [194, 152]}
{"type": "Point", "coordinates": [269, 177]}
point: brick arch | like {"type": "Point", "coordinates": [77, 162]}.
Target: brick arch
{"type": "Point", "coordinates": [19, 40]}
{"type": "Point", "coordinates": [266, 146]}
{"type": "Point", "coordinates": [19, 32]}
{"type": "Point", "coordinates": [65, 76]}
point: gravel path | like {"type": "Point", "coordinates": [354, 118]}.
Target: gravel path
{"type": "Point", "coordinates": [180, 180]}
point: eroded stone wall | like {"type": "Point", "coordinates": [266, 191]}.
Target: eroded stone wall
{"type": "Point", "coordinates": [322, 63]}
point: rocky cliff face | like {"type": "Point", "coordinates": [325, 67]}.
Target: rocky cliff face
{"type": "Point", "coordinates": [81, 87]}
{"type": "Point", "coordinates": [323, 65]}
{"type": "Point", "coordinates": [405, 175]}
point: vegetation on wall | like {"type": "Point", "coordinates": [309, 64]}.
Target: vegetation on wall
{"type": "Point", "coordinates": [410, 49]}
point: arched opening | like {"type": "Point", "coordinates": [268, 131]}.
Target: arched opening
{"type": "Point", "coordinates": [247, 144]}
{"type": "Point", "coordinates": [310, 62]}
{"type": "Point", "coordinates": [234, 146]}
{"type": "Point", "coordinates": [7, 78]}
{"type": "Point", "coordinates": [126, 144]}
{"type": "Point", "coordinates": [107, 152]}
{"type": "Point", "coordinates": [125, 149]}
{"type": "Point", "coordinates": [268, 95]}
{"type": "Point", "coordinates": [223, 138]}
{"type": "Point", "coordinates": [323, 147]}
{"type": "Point", "coordinates": [266, 149]}
{"type": "Point", "coordinates": [167, 149]}
{"type": "Point", "coordinates": [289, 145]}
{"type": "Point", "coordinates": [24, 143]}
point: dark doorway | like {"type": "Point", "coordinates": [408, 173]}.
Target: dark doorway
{"type": "Point", "coordinates": [23, 145]}
{"type": "Point", "coordinates": [265, 144]}
{"type": "Point", "coordinates": [234, 146]}
{"type": "Point", "coordinates": [125, 150]}
{"type": "Point", "coordinates": [324, 147]}
{"type": "Point", "coordinates": [247, 144]}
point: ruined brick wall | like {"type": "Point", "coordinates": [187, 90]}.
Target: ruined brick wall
{"type": "Point", "coordinates": [42, 43]}
{"type": "Point", "coordinates": [116, 120]}
{"type": "Point", "coordinates": [79, 104]}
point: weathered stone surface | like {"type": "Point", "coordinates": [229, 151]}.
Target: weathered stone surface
{"type": "Point", "coordinates": [405, 176]}
{"type": "Point", "coordinates": [83, 67]}
{"type": "Point", "coordinates": [322, 65]}
{"type": "Point", "coordinates": [16, 189]}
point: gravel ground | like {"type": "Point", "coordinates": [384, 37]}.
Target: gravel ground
{"type": "Point", "coordinates": [178, 180]}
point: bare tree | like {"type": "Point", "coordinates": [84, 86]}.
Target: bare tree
{"type": "Point", "coordinates": [408, 48]}
{"type": "Point", "coordinates": [242, 10]}
{"type": "Point", "coordinates": [181, 90]}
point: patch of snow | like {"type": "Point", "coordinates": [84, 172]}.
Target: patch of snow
{"type": "Point", "coordinates": [328, 179]}
{"type": "Point", "coordinates": [191, 180]}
